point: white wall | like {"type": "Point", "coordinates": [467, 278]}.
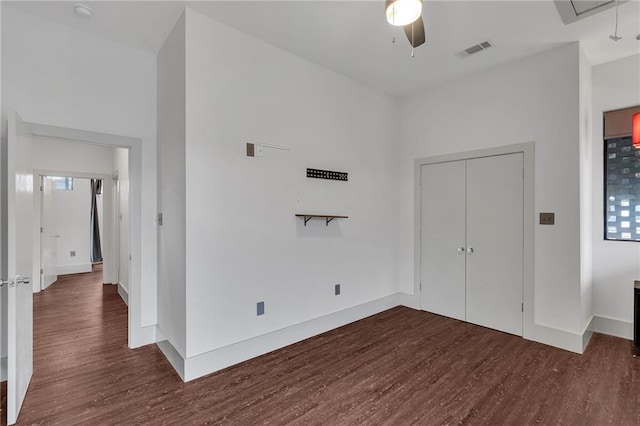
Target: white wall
{"type": "Point", "coordinates": [73, 221]}
{"type": "Point", "coordinates": [49, 154]}
{"type": "Point", "coordinates": [585, 153]}
{"type": "Point", "coordinates": [534, 99]}
{"type": "Point", "coordinates": [616, 264]}
{"type": "Point", "coordinates": [243, 243]}
{"type": "Point", "coordinates": [171, 189]}
{"type": "Point", "coordinates": [76, 80]}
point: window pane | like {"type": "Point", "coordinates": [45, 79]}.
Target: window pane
{"type": "Point", "coordinates": [622, 190]}
{"type": "Point", "coordinates": [63, 183]}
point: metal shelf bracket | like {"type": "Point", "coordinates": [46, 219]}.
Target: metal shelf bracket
{"type": "Point", "coordinates": [327, 218]}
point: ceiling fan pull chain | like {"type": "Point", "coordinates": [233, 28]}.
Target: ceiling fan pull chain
{"type": "Point", "coordinates": [393, 27]}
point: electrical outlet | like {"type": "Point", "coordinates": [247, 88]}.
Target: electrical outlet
{"type": "Point", "coordinates": [72, 253]}
{"type": "Point", "coordinates": [260, 308]}
{"type": "Point", "coordinates": [337, 289]}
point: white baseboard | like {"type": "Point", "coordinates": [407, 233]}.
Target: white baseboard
{"type": "Point", "coordinates": [124, 294]}
{"type": "Point", "coordinates": [173, 356]}
{"type": "Point", "coordinates": [587, 333]}
{"type": "Point", "coordinates": [3, 369]}
{"type": "Point", "coordinates": [409, 300]}
{"type": "Point", "coordinates": [613, 327]}
{"type": "Point", "coordinates": [141, 336]}
{"type": "Point", "coordinates": [209, 362]}
{"type": "Point", "coordinates": [564, 339]}
{"type": "Point", "coordinates": [74, 269]}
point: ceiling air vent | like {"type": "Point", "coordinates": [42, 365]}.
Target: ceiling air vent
{"type": "Point", "coordinates": [474, 49]}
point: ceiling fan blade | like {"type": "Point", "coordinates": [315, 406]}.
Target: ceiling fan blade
{"type": "Point", "coordinates": [415, 32]}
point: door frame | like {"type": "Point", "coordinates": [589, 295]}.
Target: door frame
{"type": "Point", "coordinates": [41, 181]}
{"type": "Point", "coordinates": [115, 230]}
{"type": "Point", "coordinates": [138, 334]}
{"type": "Point", "coordinates": [528, 152]}
{"type": "Point", "coordinates": [106, 238]}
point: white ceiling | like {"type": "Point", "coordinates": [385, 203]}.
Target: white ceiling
{"type": "Point", "coordinates": [352, 37]}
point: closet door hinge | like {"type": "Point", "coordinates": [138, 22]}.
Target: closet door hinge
{"type": "Point", "coordinates": [420, 286]}
{"type": "Point", "coordinates": [522, 307]}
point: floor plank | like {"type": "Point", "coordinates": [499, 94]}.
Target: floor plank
{"type": "Point", "coordinates": [399, 367]}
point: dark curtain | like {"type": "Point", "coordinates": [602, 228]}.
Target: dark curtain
{"type": "Point", "coordinates": [96, 250]}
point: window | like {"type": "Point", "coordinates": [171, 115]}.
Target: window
{"type": "Point", "coordinates": [622, 190]}
{"type": "Point", "coordinates": [63, 183]}
{"type": "Point", "coordinates": [621, 177]}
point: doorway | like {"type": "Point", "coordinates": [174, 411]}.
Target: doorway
{"type": "Point", "coordinates": [76, 227]}
{"type": "Point", "coordinates": [128, 166]}
{"type": "Point", "coordinates": [472, 245]}
{"type": "Point", "coordinates": [24, 234]}
{"type": "Point", "coordinates": [456, 285]}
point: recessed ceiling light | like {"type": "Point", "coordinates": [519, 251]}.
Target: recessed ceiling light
{"type": "Point", "coordinates": [83, 11]}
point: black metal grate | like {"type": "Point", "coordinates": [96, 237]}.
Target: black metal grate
{"type": "Point", "coordinates": [327, 174]}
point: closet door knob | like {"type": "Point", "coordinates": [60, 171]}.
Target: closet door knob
{"type": "Point", "coordinates": [460, 250]}
{"type": "Point", "coordinates": [470, 250]}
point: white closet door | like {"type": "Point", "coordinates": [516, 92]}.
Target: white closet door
{"type": "Point", "coordinates": [495, 242]}
{"type": "Point", "coordinates": [443, 234]}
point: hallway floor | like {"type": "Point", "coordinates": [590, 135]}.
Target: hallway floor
{"type": "Point", "coordinates": [84, 373]}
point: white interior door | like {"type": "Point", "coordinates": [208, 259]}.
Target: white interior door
{"type": "Point", "coordinates": [495, 242]}
{"type": "Point", "coordinates": [49, 234]}
{"type": "Point", "coordinates": [443, 238]}
{"type": "Point", "coordinates": [19, 259]}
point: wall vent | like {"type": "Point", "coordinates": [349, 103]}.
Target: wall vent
{"type": "Point", "coordinates": [474, 49]}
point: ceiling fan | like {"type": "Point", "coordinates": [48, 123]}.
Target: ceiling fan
{"type": "Point", "coordinates": [407, 14]}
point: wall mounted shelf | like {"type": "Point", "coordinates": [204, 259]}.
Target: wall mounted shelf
{"type": "Point", "coordinates": [327, 217]}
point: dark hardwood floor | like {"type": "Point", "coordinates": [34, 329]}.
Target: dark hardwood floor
{"type": "Point", "coordinates": [399, 367]}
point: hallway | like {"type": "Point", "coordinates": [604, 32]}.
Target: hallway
{"type": "Point", "coordinates": [82, 365]}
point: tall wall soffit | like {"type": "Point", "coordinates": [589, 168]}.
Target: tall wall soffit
{"type": "Point", "coordinates": [617, 123]}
